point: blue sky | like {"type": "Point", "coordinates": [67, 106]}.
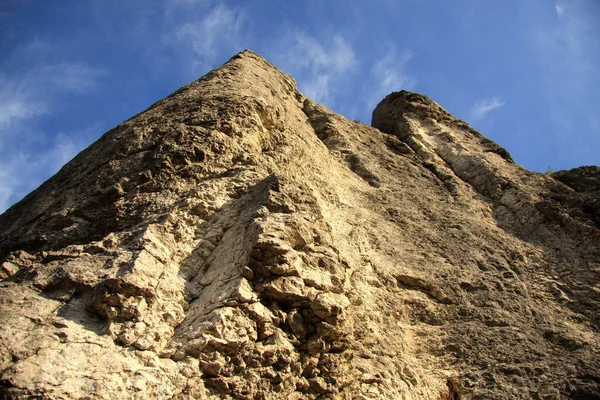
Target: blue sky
{"type": "Point", "coordinates": [524, 73]}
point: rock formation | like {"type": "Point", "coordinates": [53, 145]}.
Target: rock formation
{"type": "Point", "coordinates": [237, 240]}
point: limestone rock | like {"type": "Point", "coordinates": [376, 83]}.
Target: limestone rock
{"type": "Point", "coordinates": [238, 240]}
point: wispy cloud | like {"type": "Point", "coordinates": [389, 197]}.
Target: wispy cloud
{"type": "Point", "coordinates": [389, 74]}
{"type": "Point", "coordinates": [198, 42]}
{"type": "Point", "coordinates": [16, 104]}
{"type": "Point", "coordinates": [22, 170]}
{"type": "Point", "coordinates": [568, 50]}
{"type": "Point", "coordinates": [317, 87]}
{"type": "Point", "coordinates": [317, 65]}
{"type": "Point", "coordinates": [188, 2]}
{"type": "Point", "coordinates": [334, 56]}
{"type": "Point", "coordinates": [482, 108]}
{"type": "Point", "coordinates": [72, 77]}
{"type": "Point", "coordinates": [220, 26]}
{"type": "Point", "coordinates": [29, 154]}
{"type": "Point", "coordinates": [31, 93]}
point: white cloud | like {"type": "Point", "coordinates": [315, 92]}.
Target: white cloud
{"type": "Point", "coordinates": [319, 66]}
{"type": "Point", "coordinates": [388, 75]}
{"type": "Point", "coordinates": [482, 108]}
{"type": "Point", "coordinates": [330, 72]}
{"type": "Point", "coordinates": [188, 2]}
{"type": "Point", "coordinates": [200, 41]}
{"type": "Point", "coordinates": [65, 147]}
{"type": "Point", "coordinates": [317, 88]}
{"type": "Point", "coordinates": [222, 24]}
{"type": "Point", "coordinates": [10, 177]}
{"type": "Point", "coordinates": [342, 56]}
{"type": "Point", "coordinates": [69, 77]}
{"type": "Point", "coordinates": [568, 51]}
{"type": "Point", "coordinates": [18, 101]}
{"type": "Point", "coordinates": [23, 170]}
{"type": "Point", "coordinates": [29, 155]}
{"type": "Point", "coordinates": [16, 106]}
{"type": "Point", "coordinates": [32, 93]}
{"type": "Point", "coordinates": [336, 56]}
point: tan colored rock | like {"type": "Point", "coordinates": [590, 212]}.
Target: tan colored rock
{"type": "Point", "coordinates": [237, 240]}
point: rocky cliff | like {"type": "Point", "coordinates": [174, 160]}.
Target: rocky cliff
{"type": "Point", "coordinates": [237, 240]}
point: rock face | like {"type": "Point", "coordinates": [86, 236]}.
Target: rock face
{"type": "Point", "coordinates": [237, 240]}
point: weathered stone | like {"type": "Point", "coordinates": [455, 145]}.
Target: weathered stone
{"type": "Point", "coordinates": [297, 324]}
{"type": "Point", "coordinates": [328, 305]}
{"type": "Point", "coordinates": [237, 240]}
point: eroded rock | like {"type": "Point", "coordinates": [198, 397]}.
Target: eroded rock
{"type": "Point", "coordinates": [237, 240]}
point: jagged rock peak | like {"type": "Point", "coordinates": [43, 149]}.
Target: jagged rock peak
{"type": "Point", "coordinates": [581, 179]}
{"type": "Point", "coordinates": [389, 117]}
{"type": "Point", "coordinates": [238, 240]}
{"type": "Point", "coordinates": [405, 101]}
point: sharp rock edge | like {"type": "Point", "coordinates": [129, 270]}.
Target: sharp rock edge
{"type": "Point", "coordinates": [237, 240]}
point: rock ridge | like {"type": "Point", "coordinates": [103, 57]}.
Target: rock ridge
{"type": "Point", "coordinates": [238, 240]}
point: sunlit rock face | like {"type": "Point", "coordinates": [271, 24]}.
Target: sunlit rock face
{"type": "Point", "coordinates": [238, 240]}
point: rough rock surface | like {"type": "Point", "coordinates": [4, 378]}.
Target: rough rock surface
{"type": "Point", "coordinates": [237, 240]}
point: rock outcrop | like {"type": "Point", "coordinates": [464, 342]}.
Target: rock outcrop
{"type": "Point", "coordinates": [237, 240]}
